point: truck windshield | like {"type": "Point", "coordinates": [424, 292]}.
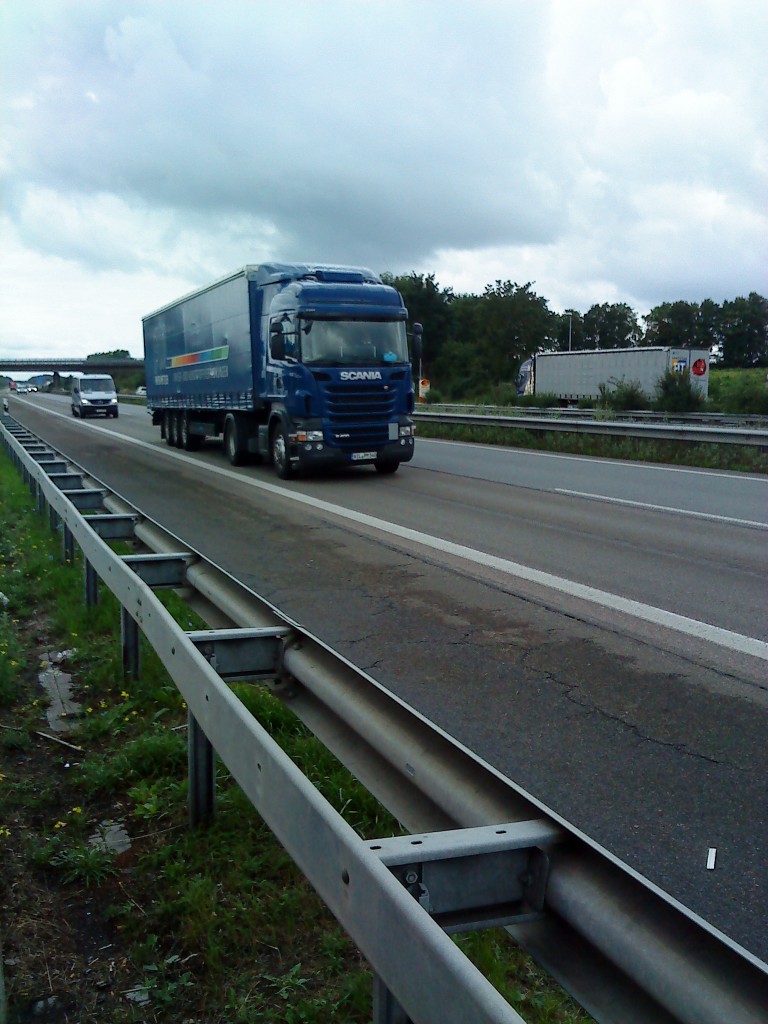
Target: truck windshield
{"type": "Point", "coordinates": [97, 384]}
{"type": "Point", "coordinates": [353, 342]}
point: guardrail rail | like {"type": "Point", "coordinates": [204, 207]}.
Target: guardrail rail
{"type": "Point", "coordinates": [750, 431]}
{"type": "Point", "coordinates": [483, 851]}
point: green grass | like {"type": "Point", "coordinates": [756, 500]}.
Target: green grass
{"type": "Point", "coordinates": [741, 392]}
{"type": "Point", "coordinates": [215, 924]}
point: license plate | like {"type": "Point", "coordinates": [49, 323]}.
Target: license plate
{"type": "Point", "coordinates": [362, 456]}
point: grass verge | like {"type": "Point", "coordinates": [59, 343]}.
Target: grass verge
{"type": "Point", "coordinates": [215, 925]}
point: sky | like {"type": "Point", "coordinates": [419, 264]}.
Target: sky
{"type": "Point", "coordinates": [604, 150]}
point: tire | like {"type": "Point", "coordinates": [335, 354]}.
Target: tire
{"type": "Point", "coordinates": [232, 448]}
{"type": "Point", "coordinates": [172, 430]}
{"type": "Point", "coordinates": [177, 417]}
{"type": "Point", "coordinates": [73, 412]}
{"type": "Point", "coordinates": [115, 414]}
{"type": "Point", "coordinates": [388, 467]}
{"type": "Point", "coordinates": [168, 428]}
{"type": "Point", "coordinates": [278, 446]}
{"type": "Point", "coordinates": [188, 442]}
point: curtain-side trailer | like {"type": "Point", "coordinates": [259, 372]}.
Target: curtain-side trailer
{"type": "Point", "coordinates": [571, 376]}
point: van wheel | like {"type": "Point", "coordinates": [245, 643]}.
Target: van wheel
{"type": "Point", "coordinates": [280, 456]}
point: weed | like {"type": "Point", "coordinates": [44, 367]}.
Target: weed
{"type": "Point", "coordinates": [80, 861]}
{"type": "Point", "coordinates": [11, 659]}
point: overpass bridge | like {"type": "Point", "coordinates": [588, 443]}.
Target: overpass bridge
{"type": "Point", "coordinates": [77, 364]}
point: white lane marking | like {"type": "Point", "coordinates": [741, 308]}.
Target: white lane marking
{"type": "Point", "coordinates": [663, 508]}
{"type": "Point", "coordinates": [692, 628]}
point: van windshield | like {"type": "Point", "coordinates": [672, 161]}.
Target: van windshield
{"type": "Point", "coordinates": [353, 342]}
{"type": "Point", "coordinates": [97, 384]}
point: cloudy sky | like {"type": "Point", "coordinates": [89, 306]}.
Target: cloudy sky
{"type": "Point", "coordinates": [607, 150]}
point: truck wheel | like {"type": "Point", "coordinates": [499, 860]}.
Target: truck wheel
{"type": "Point", "coordinates": [232, 449]}
{"type": "Point", "coordinates": [189, 442]}
{"type": "Point", "coordinates": [280, 456]}
{"type": "Point", "coordinates": [168, 428]}
{"type": "Point", "coordinates": [390, 466]}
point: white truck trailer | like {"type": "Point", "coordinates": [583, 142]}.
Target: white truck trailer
{"type": "Point", "coordinates": [571, 376]}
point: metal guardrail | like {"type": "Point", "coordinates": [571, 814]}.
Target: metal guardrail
{"type": "Point", "coordinates": [624, 949]}
{"type": "Point", "coordinates": [752, 431]}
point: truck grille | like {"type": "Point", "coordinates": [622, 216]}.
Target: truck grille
{"type": "Point", "coordinates": [359, 414]}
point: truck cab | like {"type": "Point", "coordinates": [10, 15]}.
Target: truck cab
{"type": "Point", "coordinates": [338, 374]}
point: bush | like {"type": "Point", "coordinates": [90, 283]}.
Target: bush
{"type": "Point", "coordinates": [622, 396]}
{"type": "Point", "coordinates": [675, 393]}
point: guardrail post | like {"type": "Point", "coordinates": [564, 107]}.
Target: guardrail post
{"type": "Point", "coordinates": [91, 586]}
{"type": "Point", "coordinates": [129, 637]}
{"type": "Point", "coordinates": [386, 1009]}
{"type": "Point", "coordinates": [67, 546]}
{"type": "Point", "coordinates": [202, 774]}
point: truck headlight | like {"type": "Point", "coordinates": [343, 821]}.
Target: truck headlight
{"type": "Point", "coordinates": [309, 435]}
{"type": "Point", "coordinates": [406, 431]}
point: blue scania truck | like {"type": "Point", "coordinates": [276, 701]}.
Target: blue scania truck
{"type": "Point", "coordinates": [303, 365]}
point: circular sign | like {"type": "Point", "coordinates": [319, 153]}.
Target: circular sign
{"type": "Point", "coordinates": [699, 367]}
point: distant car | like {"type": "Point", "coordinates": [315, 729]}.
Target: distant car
{"type": "Point", "coordinates": [21, 389]}
{"type": "Point", "coordinates": [141, 391]}
{"type": "Point", "coordinates": [32, 387]}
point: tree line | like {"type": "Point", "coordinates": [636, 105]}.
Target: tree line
{"type": "Point", "coordinates": [472, 342]}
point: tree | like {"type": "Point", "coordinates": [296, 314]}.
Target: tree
{"type": "Point", "coordinates": [709, 327]}
{"type": "Point", "coordinates": [673, 323]}
{"type": "Point", "coordinates": [427, 305]}
{"type": "Point", "coordinates": [569, 331]}
{"type": "Point", "coordinates": [514, 322]}
{"type": "Point", "coordinates": [117, 353]}
{"type": "Point", "coordinates": [745, 331]}
{"type": "Point", "coordinates": [611, 325]}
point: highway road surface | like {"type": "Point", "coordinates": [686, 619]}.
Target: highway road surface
{"type": "Point", "coordinates": [594, 630]}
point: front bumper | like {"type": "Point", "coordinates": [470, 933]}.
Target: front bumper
{"type": "Point", "coordinates": [311, 454]}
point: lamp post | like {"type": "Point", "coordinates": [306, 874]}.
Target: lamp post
{"type": "Point", "coordinates": [570, 317]}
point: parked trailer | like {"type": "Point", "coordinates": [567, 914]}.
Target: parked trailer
{"type": "Point", "coordinates": [303, 365]}
{"type": "Point", "coordinates": [570, 376]}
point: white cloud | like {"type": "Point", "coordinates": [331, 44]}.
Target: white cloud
{"type": "Point", "coordinates": [608, 152]}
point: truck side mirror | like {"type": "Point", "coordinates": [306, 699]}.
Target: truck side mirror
{"type": "Point", "coordinates": [418, 331]}
{"type": "Point", "coordinates": [276, 341]}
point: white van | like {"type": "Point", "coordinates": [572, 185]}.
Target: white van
{"type": "Point", "coordinates": [92, 394]}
